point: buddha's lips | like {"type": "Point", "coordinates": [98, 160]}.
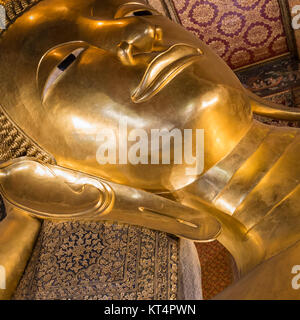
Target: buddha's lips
{"type": "Point", "coordinates": [163, 68]}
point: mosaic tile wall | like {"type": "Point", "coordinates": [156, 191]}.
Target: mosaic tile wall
{"type": "Point", "coordinates": [217, 267]}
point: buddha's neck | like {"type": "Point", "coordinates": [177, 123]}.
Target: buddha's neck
{"type": "Point", "coordinates": [245, 186]}
{"type": "Point", "coordinates": [227, 184]}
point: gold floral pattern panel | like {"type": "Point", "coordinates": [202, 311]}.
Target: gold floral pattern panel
{"type": "Point", "coordinates": [100, 261]}
{"type": "Point", "coordinates": [242, 32]}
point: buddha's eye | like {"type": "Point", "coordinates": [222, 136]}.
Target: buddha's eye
{"type": "Point", "coordinates": [134, 10]}
{"type": "Point", "coordinates": [139, 13]}
{"type": "Point", "coordinates": [60, 69]}
{"type": "Point", "coordinates": [67, 62]}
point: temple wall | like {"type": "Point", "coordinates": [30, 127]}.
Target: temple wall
{"type": "Point", "coordinates": [242, 32]}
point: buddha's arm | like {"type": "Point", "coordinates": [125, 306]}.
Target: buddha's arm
{"type": "Point", "coordinates": [18, 232]}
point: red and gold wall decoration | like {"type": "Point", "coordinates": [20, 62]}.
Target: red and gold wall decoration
{"type": "Point", "coordinates": [242, 32]}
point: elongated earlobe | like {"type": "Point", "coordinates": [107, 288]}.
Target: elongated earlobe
{"type": "Point", "coordinates": [272, 110]}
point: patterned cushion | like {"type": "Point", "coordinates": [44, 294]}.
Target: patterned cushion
{"type": "Point", "coordinates": [94, 260]}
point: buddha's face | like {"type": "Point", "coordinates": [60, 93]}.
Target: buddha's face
{"type": "Point", "coordinates": [71, 68]}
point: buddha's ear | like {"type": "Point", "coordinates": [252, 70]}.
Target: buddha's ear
{"type": "Point", "coordinates": [52, 192]}
{"type": "Point", "coordinates": [55, 62]}
{"type": "Point", "coordinates": [272, 110]}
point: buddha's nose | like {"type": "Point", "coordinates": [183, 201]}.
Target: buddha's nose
{"type": "Point", "coordinates": [126, 37]}
{"type": "Point", "coordinates": [147, 40]}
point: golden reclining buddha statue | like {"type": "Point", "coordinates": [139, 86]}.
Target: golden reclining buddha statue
{"type": "Point", "coordinates": [73, 68]}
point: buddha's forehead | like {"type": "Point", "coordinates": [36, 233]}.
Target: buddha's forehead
{"type": "Point", "coordinates": [109, 7]}
{"type": "Point", "coordinates": [99, 8]}
{"type": "Point", "coordinates": [59, 19]}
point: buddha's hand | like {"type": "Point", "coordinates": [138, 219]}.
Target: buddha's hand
{"type": "Point", "coordinates": [52, 192]}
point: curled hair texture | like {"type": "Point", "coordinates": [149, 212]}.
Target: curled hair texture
{"type": "Point", "coordinates": [14, 9]}
{"type": "Point", "coordinates": [15, 144]}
